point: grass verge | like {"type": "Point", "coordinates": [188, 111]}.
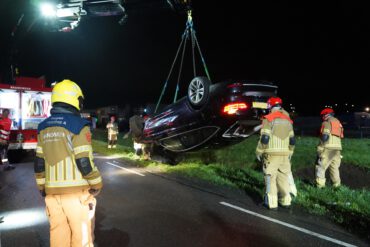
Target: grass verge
{"type": "Point", "coordinates": [235, 166]}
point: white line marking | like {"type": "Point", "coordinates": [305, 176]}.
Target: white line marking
{"type": "Point", "coordinates": [129, 170]}
{"type": "Point", "coordinates": [288, 225]}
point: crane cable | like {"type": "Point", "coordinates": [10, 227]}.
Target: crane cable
{"type": "Point", "coordinates": [189, 32]}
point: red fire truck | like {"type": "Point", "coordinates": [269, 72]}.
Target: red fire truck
{"type": "Point", "coordinates": [29, 102]}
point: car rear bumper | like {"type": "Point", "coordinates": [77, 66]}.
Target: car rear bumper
{"type": "Point", "coordinates": [26, 145]}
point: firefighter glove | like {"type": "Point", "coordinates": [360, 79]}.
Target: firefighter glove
{"type": "Point", "coordinates": [42, 193]}
{"type": "Point", "coordinates": [94, 192]}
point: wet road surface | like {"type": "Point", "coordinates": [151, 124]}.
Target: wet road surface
{"type": "Point", "coordinates": [142, 208]}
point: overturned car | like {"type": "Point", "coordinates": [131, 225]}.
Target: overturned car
{"type": "Point", "coordinates": [210, 116]}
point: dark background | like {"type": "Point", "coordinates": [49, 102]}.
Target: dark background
{"type": "Point", "coordinates": [316, 52]}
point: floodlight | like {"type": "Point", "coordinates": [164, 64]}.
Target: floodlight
{"type": "Point", "coordinates": [48, 10]}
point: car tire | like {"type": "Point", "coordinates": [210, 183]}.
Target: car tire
{"type": "Point", "coordinates": [198, 91]}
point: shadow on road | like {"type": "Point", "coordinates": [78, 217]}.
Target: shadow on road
{"type": "Point", "coordinates": [236, 235]}
{"type": "Point", "coordinates": [108, 237]}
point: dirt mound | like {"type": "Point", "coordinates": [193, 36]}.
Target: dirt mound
{"type": "Point", "coordinates": [351, 176]}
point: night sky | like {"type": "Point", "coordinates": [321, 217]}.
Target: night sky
{"type": "Point", "coordinates": [317, 54]}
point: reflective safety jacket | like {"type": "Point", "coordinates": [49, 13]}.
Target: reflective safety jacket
{"type": "Point", "coordinates": [277, 134]}
{"type": "Point", "coordinates": [63, 139]}
{"type": "Point", "coordinates": [112, 128]}
{"type": "Point", "coordinates": [334, 130]}
{"type": "Point", "coordinates": [5, 126]}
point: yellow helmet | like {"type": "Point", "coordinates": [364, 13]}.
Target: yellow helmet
{"type": "Point", "coordinates": [67, 92]}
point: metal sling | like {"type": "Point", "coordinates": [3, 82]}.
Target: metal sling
{"type": "Point", "coordinates": [189, 32]}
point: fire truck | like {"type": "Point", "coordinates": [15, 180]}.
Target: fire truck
{"type": "Point", "coordinates": [29, 103]}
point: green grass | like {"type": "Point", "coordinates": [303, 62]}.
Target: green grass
{"type": "Point", "coordinates": [235, 166]}
{"type": "Point", "coordinates": [355, 152]}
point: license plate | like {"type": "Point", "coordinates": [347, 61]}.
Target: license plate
{"type": "Point", "coordinates": [261, 105]}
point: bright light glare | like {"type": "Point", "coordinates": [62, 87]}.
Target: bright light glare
{"type": "Point", "coordinates": [48, 10]}
{"type": "Point", "coordinates": [23, 218]}
{"type": "Point", "coordinates": [367, 109]}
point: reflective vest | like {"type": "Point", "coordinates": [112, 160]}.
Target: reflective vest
{"type": "Point", "coordinates": [112, 128]}
{"type": "Point", "coordinates": [5, 126]}
{"type": "Point", "coordinates": [63, 138]}
{"type": "Point", "coordinates": [334, 129]}
{"type": "Point", "coordinates": [278, 127]}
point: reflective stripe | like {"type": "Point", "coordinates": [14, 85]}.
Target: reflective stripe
{"type": "Point", "coordinates": [40, 181]}
{"type": "Point", "coordinates": [326, 131]}
{"type": "Point", "coordinates": [85, 234]}
{"type": "Point", "coordinates": [61, 184]}
{"type": "Point", "coordinates": [268, 184]}
{"type": "Point", "coordinates": [69, 169]}
{"type": "Point", "coordinates": [293, 188]}
{"type": "Point", "coordinates": [81, 149]}
{"type": "Point", "coordinates": [95, 181]}
{"type": "Point", "coordinates": [39, 150]}
{"type": "Point", "coordinates": [265, 131]}
{"type": "Point", "coordinates": [4, 160]}
{"type": "Point", "coordinates": [271, 200]}
{"type": "Point", "coordinates": [278, 145]}
{"type": "Point", "coordinates": [5, 132]}
{"type": "Point", "coordinates": [60, 171]}
{"type": "Point", "coordinates": [6, 137]}
{"type": "Point", "coordinates": [52, 173]}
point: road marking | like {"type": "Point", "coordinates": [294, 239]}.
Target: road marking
{"type": "Point", "coordinates": [129, 170]}
{"type": "Point", "coordinates": [288, 225]}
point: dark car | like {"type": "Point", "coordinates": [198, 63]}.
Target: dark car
{"type": "Point", "coordinates": [211, 115]}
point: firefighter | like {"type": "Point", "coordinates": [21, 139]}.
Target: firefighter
{"type": "Point", "coordinates": [5, 126]}
{"type": "Point", "coordinates": [329, 149]}
{"type": "Point", "coordinates": [112, 132]}
{"type": "Point", "coordinates": [65, 171]}
{"type": "Point", "coordinates": [275, 149]}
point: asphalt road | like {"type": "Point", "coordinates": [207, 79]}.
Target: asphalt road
{"type": "Point", "coordinates": [143, 208]}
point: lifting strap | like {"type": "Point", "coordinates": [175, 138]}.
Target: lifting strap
{"type": "Point", "coordinates": [189, 32]}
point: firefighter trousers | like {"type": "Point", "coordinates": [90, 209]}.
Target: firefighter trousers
{"type": "Point", "coordinates": [112, 140]}
{"type": "Point", "coordinates": [279, 183]}
{"type": "Point", "coordinates": [72, 219]}
{"type": "Point", "coordinates": [328, 159]}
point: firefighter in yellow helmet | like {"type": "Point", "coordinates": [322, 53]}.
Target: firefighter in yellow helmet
{"type": "Point", "coordinates": [275, 149]}
{"type": "Point", "coordinates": [329, 149]}
{"type": "Point", "coordinates": [65, 170]}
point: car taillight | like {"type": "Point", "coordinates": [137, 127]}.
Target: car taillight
{"type": "Point", "coordinates": [232, 108]}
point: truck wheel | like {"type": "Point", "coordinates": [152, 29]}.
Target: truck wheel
{"type": "Point", "coordinates": [198, 91]}
{"type": "Point", "coordinates": [15, 156]}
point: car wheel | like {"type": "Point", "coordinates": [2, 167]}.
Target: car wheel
{"type": "Point", "coordinates": [198, 91]}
